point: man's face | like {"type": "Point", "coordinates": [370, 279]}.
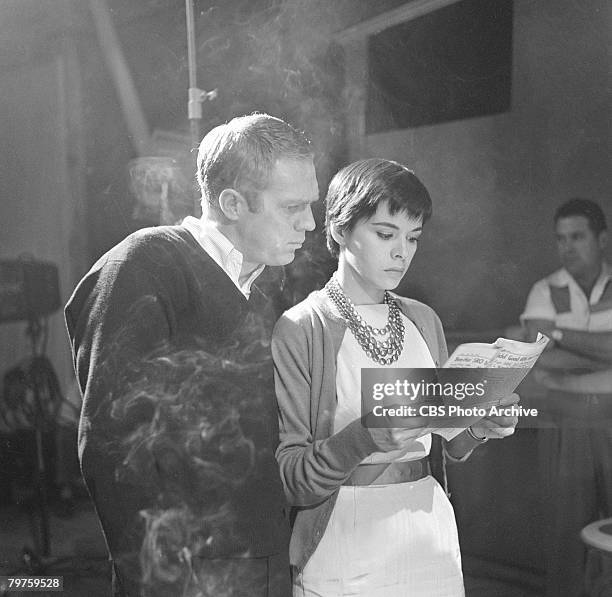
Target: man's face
{"type": "Point", "coordinates": [273, 233]}
{"type": "Point", "coordinates": [580, 249]}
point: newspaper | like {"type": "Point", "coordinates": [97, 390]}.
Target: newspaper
{"type": "Point", "coordinates": [505, 353]}
{"type": "Point", "coordinates": [502, 364]}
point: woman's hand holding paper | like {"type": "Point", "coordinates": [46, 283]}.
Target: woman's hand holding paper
{"type": "Point", "coordinates": [498, 427]}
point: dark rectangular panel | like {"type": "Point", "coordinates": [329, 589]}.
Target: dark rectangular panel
{"type": "Point", "coordinates": [450, 64]}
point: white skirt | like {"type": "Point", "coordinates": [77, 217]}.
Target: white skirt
{"type": "Point", "coordinates": [395, 540]}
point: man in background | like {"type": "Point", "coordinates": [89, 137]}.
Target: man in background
{"type": "Point", "coordinates": [170, 335]}
{"type": "Point", "coordinates": [573, 306]}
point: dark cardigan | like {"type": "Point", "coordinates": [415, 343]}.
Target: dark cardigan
{"type": "Point", "coordinates": [178, 409]}
{"type": "Point", "coordinates": [314, 461]}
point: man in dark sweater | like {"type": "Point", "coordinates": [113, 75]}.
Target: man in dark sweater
{"type": "Point", "coordinates": [170, 335]}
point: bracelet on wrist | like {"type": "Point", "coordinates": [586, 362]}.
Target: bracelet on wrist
{"type": "Point", "coordinates": [480, 440]}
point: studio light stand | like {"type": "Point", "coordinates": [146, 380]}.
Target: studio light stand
{"type": "Point", "coordinates": [34, 332]}
{"type": "Point", "coordinates": [195, 95]}
{"type": "Point", "coordinates": [41, 381]}
{"type": "Point", "coordinates": [29, 292]}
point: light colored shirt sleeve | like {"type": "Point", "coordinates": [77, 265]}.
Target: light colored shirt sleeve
{"type": "Point", "coordinates": [539, 304]}
{"type": "Point", "coordinates": [598, 382]}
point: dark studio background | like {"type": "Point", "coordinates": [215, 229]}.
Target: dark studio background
{"type": "Point", "coordinates": [496, 164]}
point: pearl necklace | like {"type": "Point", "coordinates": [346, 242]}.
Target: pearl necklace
{"type": "Point", "coordinates": [384, 352]}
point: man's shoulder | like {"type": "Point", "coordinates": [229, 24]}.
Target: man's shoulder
{"type": "Point", "coordinates": [164, 255]}
{"type": "Point", "coordinates": [157, 238]}
{"type": "Point", "coordinates": [549, 296]}
{"type": "Point", "coordinates": [560, 277]}
{"type": "Point", "coordinates": [154, 247]}
{"type": "Point", "coordinates": [144, 255]}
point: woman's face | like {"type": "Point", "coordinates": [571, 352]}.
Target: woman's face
{"type": "Point", "coordinates": [378, 250]}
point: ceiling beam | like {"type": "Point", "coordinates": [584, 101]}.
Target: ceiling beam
{"type": "Point", "coordinates": [406, 12]}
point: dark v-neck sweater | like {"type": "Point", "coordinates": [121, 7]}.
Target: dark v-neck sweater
{"type": "Point", "coordinates": [178, 406]}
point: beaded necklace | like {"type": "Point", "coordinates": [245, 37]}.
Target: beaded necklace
{"type": "Point", "coordinates": [384, 352]}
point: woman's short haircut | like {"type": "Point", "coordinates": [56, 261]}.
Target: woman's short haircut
{"type": "Point", "coordinates": [356, 191]}
{"type": "Point", "coordinates": [586, 208]}
{"type": "Point", "coordinates": [241, 154]}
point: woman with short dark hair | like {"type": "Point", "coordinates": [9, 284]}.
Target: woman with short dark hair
{"type": "Point", "coordinates": [368, 518]}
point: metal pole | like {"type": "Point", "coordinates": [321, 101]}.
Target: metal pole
{"type": "Point", "coordinates": [34, 331]}
{"type": "Point", "coordinates": [194, 108]}
{"type": "Point", "coordinates": [194, 104]}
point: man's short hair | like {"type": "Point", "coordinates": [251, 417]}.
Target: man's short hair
{"type": "Point", "coordinates": [241, 154]}
{"type": "Point", "coordinates": [586, 208]}
{"type": "Point", "coordinates": [356, 191]}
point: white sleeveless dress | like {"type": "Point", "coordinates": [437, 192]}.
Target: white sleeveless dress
{"type": "Point", "coordinates": [397, 540]}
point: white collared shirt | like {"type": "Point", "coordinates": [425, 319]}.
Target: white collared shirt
{"type": "Point", "coordinates": [581, 313]}
{"type": "Point", "coordinates": [222, 251]}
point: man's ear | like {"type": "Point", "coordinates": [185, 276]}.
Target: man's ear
{"type": "Point", "coordinates": [232, 204]}
{"type": "Point", "coordinates": [603, 239]}
{"type": "Point", "coordinates": [337, 235]}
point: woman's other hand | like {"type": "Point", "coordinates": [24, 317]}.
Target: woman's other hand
{"type": "Point", "coordinates": [498, 427]}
